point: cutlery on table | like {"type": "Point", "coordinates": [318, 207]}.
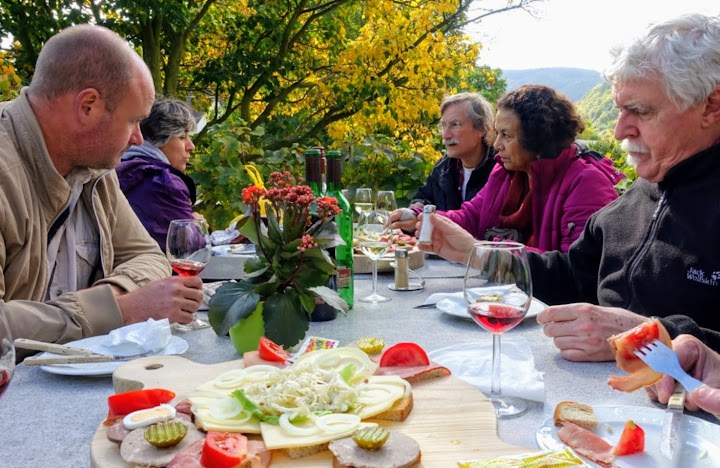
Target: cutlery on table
{"type": "Point", "coordinates": [664, 360]}
{"type": "Point", "coordinates": [670, 436]}
{"type": "Point", "coordinates": [425, 306]}
{"type": "Point", "coordinates": [68, 354]}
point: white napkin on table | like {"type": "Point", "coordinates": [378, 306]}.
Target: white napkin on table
{"type": "Point", "coordinates": [149, 336]}
{"type": "Point", "coordinates": [448, 301]}
{"type": "Point", "coordinates": [472, 362]}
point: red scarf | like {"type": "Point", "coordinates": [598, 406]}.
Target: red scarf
{"type": "Point", "coordinates": [516, 212]}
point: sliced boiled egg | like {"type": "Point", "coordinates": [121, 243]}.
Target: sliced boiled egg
{"type": "Point", "coordinates": [146, 417]}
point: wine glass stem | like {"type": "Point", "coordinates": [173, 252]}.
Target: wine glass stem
{"type": "Point", "coordinates": [374, 277]}
{"type": "Point", "coordinates": [495, 379]}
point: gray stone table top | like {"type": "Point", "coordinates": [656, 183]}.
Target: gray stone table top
{"type": "Point", "coordinates": [48, 420]}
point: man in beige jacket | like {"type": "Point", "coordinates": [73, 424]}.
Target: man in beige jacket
{"type": "Point", "coordinates": [75, 261]}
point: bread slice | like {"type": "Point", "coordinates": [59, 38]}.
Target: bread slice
{"type": "Point", "coordinates": [399, 411]}
{"type": "Point", "coordinates": [577, 413]}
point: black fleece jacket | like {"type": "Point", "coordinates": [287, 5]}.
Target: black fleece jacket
{"type": "Point", "coordinates": [443, 188]}
{"type": "Point", "coordinates": [654, 251]}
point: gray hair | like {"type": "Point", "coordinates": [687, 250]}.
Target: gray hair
{"type": "Point", "coordinates": [479, 110]}
{"type": "Point", "coordinates": [684, 53]}
{"type": "Point", "coordinates": [168, 118]}
{"type": "Point", "coordinates": [81, 57]}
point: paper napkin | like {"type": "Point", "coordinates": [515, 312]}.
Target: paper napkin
{"type": "Point", "coordinates": [149, 336]}
{"type": "Point", "coordinates": [472, 362]}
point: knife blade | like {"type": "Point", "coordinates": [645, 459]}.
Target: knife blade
{"type": "Point", "coordinates": [79, 359]}
{"type": "Point", "coordinates": [669, 439]}
{"type": "Point", "coordinates": [425, 306]}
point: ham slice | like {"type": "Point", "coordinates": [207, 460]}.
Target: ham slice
{"type": "Point", "coordinates": [258, 456]}
{"type": "Point", "coordinates": [623, 347]}
{"type": "Point", "coordinates": [586, 443]}
{"type": "Point", "coordinates": [415, 373]}
{"type": "Point", "coordinates": [252, 358]}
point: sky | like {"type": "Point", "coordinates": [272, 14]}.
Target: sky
{"type": "Point", "coordinates": [571, 33]}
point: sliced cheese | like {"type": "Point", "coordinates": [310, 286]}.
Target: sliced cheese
{"type": "Point", "coordinates": [394, 387]}
{"type": "Point", "coordinates": [275, 438]}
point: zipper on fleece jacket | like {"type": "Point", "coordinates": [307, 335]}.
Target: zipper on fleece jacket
{"type": "Point", "coordinates": [646, 244]}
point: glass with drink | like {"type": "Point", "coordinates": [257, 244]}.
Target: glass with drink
{"type": "Point", "coordinates": [374, 236]}
{"type": "Point", "coordinates": [498, 292]}
{"type": "Point", "coordinates": [188, 248]}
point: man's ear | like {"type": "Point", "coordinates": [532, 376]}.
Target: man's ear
{"type": "Point", "coordinates": [89, 105]}
{"type": "Point", "coordinates": [711, 113]}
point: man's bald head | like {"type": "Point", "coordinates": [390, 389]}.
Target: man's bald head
{"type": "Point", "coordinates": [85, 56]}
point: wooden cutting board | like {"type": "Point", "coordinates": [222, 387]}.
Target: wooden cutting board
{"type": "Point", "coordinates": [451, 419]}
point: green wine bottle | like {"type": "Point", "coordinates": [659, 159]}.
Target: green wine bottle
{"type": "Point", "coordinates": [343, 253]}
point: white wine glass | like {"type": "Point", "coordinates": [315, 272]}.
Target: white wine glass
{"type": "Point", "coordinates": [385, 201]}
{"type": "Point", "coordinates": [498, 292]}
{"type": "Point", "coordinates": [189, 251]}
{"type": "Point", "coordinates": [374, 237]}
{"type": "Point", "coordinates": [363, 201]}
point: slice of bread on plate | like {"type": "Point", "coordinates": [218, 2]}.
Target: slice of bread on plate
{"type": "Point", "coordinates": [577, 413]}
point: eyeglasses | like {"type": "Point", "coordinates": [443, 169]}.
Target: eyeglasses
{"type": "Point", "coordinates": [454, 125]}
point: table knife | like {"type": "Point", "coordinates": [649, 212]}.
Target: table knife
{"type": "Point", "coordinates": [669, 443]}
{"type": "Point", "coordinates": [54, 348]}
{"type": "Point", "coordinates": [79, 359]}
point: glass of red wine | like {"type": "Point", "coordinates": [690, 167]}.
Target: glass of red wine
{"type": "Point", "coordinates": [7, 355]}
{"type": "Point", "coordinates": [188, 248]}
{"type": "Point", "coordinates": [498, 292]}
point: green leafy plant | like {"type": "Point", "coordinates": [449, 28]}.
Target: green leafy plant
{"type": "Point", "coordinates": [278, 294]}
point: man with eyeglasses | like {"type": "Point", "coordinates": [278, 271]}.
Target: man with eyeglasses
{"type": "Point", "coordinates": [466, 126]}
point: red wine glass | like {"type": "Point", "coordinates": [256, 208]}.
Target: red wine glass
{"type": "Point", "coordinates": [188, 248]}
{"type": "Point", "coordinates": [498, 292]}
{"type": "Point", "coordinates": [7, 354]}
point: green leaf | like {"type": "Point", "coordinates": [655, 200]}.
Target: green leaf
{"type": "Point", "coordinates": [332, 298]}
{"type": "Point", "coordinates": [286, 323]}
{"type": "Point", "coordinates": [308, 302]}
{"type": "Point", "coordinates": [231, 303]}
{"type": "Point", "coordinates": [245, 335]}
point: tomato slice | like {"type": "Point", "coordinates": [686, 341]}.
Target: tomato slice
{"type": "Point", "coordinates": [223, 449]}
{"type": "Point", "coordinates": [632, 440]}
{"type": "Point", "coordinates": [404, 355]}
{"type": "Point", "coordinates": [270, 351]}
{"type": "Point", "coordinates": [122, 404]}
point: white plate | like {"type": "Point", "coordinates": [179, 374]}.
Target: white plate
{"type": "Point", "coordinates": [234, 250]}
{"type": "Point", "coordinates": [699, 437]}
{"type": "Point", "coordinates": [176, 345]}
{"type": "Point", "coordinates": [455, 305]}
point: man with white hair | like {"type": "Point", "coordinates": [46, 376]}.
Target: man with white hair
{"type": "Point", "coordinates": [655, 250]}
{"type": "Point", "coordinates": [75, 261]}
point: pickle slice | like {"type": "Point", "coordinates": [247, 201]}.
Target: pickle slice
{"type": "Point", "coordinates": [371, 438]}
{"type": "Point", "coordinates": [370, 344]}
{"type": "Point", "coordinates": [166, 434]}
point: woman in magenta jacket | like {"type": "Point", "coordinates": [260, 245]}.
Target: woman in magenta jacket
{"type": "Point", "coordinates": [542, 187]}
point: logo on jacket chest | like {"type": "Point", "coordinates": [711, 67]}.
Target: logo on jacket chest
{"type": "Point", "coordinates": [699, 276]}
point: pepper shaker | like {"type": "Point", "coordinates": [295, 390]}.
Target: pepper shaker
{"type": "Point", "coordinates": [401, 269]}
{"type": "Point", "coordinates": [426, 226]}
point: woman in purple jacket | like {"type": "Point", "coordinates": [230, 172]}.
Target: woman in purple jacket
{"type": "Point", "coordinates": [544, 189]}
{"type": "Point", "coordinates": [152, 175]}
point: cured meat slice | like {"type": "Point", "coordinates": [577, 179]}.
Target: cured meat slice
{"type": "Point", "coordinates": [415, 374]}
{"type": "Point", "coordinates": [258, 456]}
{"type": "Point", "coordinates": [624, 346]}
{"type": "Point", "coordinates": [586, 443]}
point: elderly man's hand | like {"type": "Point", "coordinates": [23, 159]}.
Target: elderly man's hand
{"type": "Point", "coordinates": [175, 298]}
{"type": "Point", "coordinates": [580, 331]}
{"type": "Point", "coordinates": [702, 363]}
{"type": "Point", "coordinates": [448, 239]}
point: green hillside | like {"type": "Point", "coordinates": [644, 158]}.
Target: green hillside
{"type": "Point", "coordinates": [597, 108]}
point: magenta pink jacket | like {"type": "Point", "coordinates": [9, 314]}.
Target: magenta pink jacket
{"type": "Point", "coordinates": [565, 192]}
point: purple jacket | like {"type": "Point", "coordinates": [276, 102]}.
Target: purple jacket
{"type": "Point", "coordinates": [157, 192]}
{"type": "Point", "coordinates": [565, 192]}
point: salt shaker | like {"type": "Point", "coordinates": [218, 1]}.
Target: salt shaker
{"type": "Point", "coordinates": [426, 226]}
{"type": "Point", "coordinates": [401, 269]}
